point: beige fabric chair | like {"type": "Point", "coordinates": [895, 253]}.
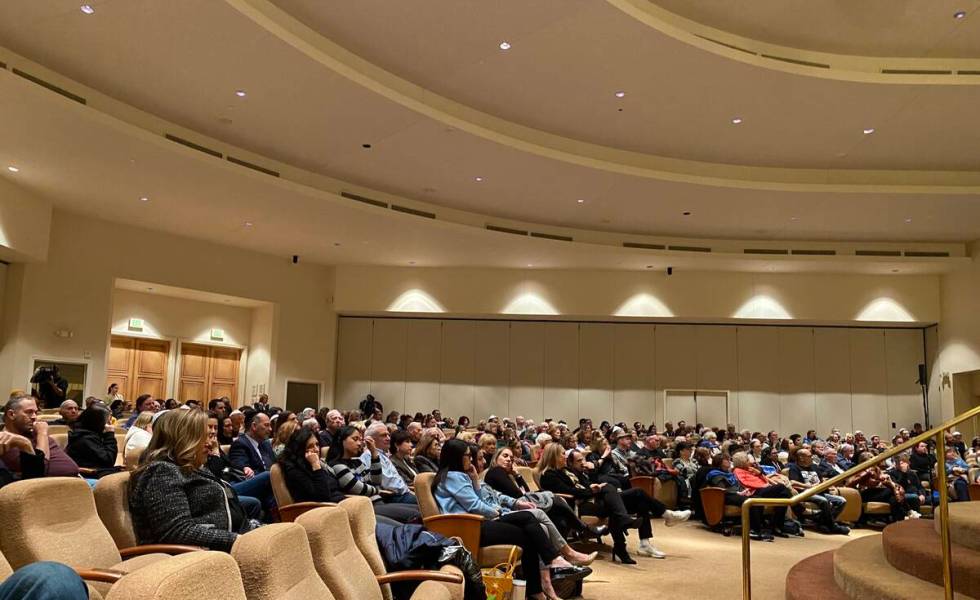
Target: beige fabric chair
{"type": "Point", "coordinates": [276, 564]}
{"type": "Point", "coordinates": [61, 438]}
{"type": "Point", "coordinates": [120, 447]}
{"type": "Point", "coordinates": [5, 570]}
{"type": "Point", "coordinates": [462, 526]}
{"type": "Point", "coordinates": [347, 572]}
{"type": "Point", "coordinates": [360, 515]}
{"type": "Point", "coordinates": [289, 510]}
{"type": "Point", "coordinates": [55, 518]}
{"type": "Point", "coordinates": [132, 459]}
{"type": "Point", "coordinates": [194, 576]}
{"type": "Point", "coordinates": [53, 429]}
{"type": "Point", "coordinates": [112, 504]}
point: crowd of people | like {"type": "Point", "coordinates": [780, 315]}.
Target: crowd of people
{"type": "Point", "coordinates": [203, 475]}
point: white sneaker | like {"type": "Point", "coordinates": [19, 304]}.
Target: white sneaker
{"type": "Point", "coordinates": [914, 515]}
{"type": "Point", "coordinates": [651, 551]}
{"type": "Point", "coordinates": [673, 517]}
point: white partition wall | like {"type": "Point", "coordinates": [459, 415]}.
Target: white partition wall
{"type": "Point", "coordinates": [786, 378]}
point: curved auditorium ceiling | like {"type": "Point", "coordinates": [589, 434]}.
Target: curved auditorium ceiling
{"type": "Point", "coordinates": [567, 113]}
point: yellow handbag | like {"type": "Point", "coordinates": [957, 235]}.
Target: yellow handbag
{"type": "Point", "coordinates": [499, 580]}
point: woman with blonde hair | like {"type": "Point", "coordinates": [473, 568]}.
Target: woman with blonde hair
{"type": "Point", "coordinates": [138, 436]}
{"type": "Point", "coordinates": [282, 436]}
{"type": "Point", "coordinates": [173, 499]}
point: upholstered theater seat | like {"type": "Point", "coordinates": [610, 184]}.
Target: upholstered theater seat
{"type": "Point", "coordinates": [276, 564]}
{"type": "Point", "coordinates": [193, 576]}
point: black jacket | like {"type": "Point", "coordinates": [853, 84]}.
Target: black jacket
{"type": "Point", "coordinates": [565, 482]}
{"type": "Point", "coordinates": [307, 485]}
{"type": "Point", "coordinates": [92, 450]}
{"type": "Point", "coordinates": [424, 464]}
{"type": "Point", "coordinates": [500, 480]}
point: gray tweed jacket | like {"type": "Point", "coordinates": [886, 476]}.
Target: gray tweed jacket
{"type": "Point", "coordinates": [169, 507]}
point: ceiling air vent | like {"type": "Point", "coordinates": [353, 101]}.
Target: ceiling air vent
{"type": "Point", "coordinates": [732, 46]}
{"type": "Point", "coordinates": [815, 252]}
{"type": "Point", "coordinates": [689, 248]}
{"type": "Point", "coordinates": [877, 253]}
{"type": "Point", "coordinates": [764, 251]}
{"type": "Point", "coordinates": [644, 246]}
{"type": "Point", "coordinates": [551, 236]}
{"type": "Point", "coordinates": [252, 166]}
{"type": "Point", "coordinates": [363, 199]}
{"type": "Point", "coordinates": [915, 72]}
{"type": "Point", "coordinates": [3, 65]}
{"type": "Point", "coordinates": [796, 61]}
{"type": "Point", "coordinates": [969, 72]}
{"type": "Point", "coordinates": [506, 230]}
{"type": "Point", "coordinates": [413, 211]}
{"type": "Point", "coordinates": [924, 254]}
{"type": "Point", "coordinates": [48, 85]}
{"type": "Point", "coordinates": [193, 146]}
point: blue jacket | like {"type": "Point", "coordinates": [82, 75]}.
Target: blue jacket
{"type": "Point", "coordinates": [456, 495]}
{"type": "Point", "coordinates": [242, 454]}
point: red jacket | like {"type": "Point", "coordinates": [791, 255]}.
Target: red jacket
{"type": "Point", "coordinates": [750, 480]}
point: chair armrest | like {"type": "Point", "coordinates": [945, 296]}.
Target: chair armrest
{"type": "Point", "coordinates": [388, 493]}
{"type": "Point", "coordinates": [464, 526]}
{"type": "Point", "coordinates": [86, 471]}
{"type": "Point", "coordinates": [104, 575]}
{"type": "Point", "coordinates": [713, 503]}
{"type": "Point", "coordinates": [158, 549]}
{"type": "Point", "coordinates": [419, 575]}
{"type": "Point", "coordinates": [289, 512]}
{"type": "Point", "coordinates": [568, 497]}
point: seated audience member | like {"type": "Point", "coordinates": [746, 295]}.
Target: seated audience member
{"type": "Point", "coordinates": [755, 484]}
{"type": "Point", "coordinates": [31, 462]}
{"type": "Point", "coordinates": [92, 443]}
{"type": "Point", "coordinates": [238, 422]}
{"type": "Point", "coordinates": [686, 468]}
{"type": "Point", "coordinates": [830, 466]}
{"type": "Point", "coordinates": [252, 452]}
{"type": "Point", "coordinates": [44, 580]}
{"type": "Point", "coordinates": [922, 462]}
{"type": "Point", "coordinates": [541, 440]}
{"type": "Point", "coordinates": [455, 491]}
{"type": "Point", "coordinates": [401, 456]}
{"type": "Point", "coordinates": [307, 478]}
{"type": "Point", "coordinates": [876, 486]}
{"type": "Point", "coordinates": [334, 422]}
{"type": "Point", "coordinates": [219, 408]}
{"type": "Point", "coordinates": [144, 402]}
{"type": "Point", "coordinates": [112, 394]}
{"type": "Point", "coordinates": [915, 493]}
{"type": "Point", "coordinates": [20, 418]}
{"type": "Point", "coordinates": [138, 436]}
{"type": "Point", "coordinates": [116, 408]}
{"type": "Point", "coordinates": [359, 479]}
{"type": "Point", "coordinates": [972, 456]}
{"type": "Point", "coordinates": [173, 499]}
{"type": "Point", "coordinates": [414, 430]}
{"type": "Point", "coordinates": [391, 479]}
{"type": "Point", "coordinates": [803, 475]}
{"type": "Point", "coordinates": [282, 435]}
{"type": "Point", "coordinates": [957, 476]}
{"type": "Point", "coordinates": [312, 424]}
{"type": "Point", "coordinates": [845, 456]}
{"type": "Point", "coordinates": [771, 458]}
{"type": "Point", "coordinates": [488, 445]}
{"type": "Point", "coordinates": [226, 431]}
{"type": "Point", "coordinates": [69, 414]}
{"type": "Point", "coordinates": [427, 453]}
{"type": "Point", "coordinates": [254, 492]}
{"type": "Point", "coordinates": [720, 475]}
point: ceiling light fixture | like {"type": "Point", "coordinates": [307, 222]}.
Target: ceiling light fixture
{"type": "Point", "coordinates": [478, 179]}
{"type": "Point", "coordinates": [144, 199]}
{"type": "Point", "coordinates": [580, 201]}
{"type": "Point", "coordinates": [620, 94]}
{"type": "Point", "coordinates": [869, 130]}
{"type": "Point", "coordinates": [240, 93]}
{"type": "Point", "coordinates": [737, 121]}
{"type": "Point", "coordinates": [959, 15]}
{"type": "Point", "coordinates": [505, 45]}
{"type": "Point", "coordinates": [248, 223]}
{"type": "Point", "coordinates": [13, 169]}
{"type": "Point", "coordinates": [908, 219]}
{"type": "Point", "coordinates": [530, 265]}
{"type": "Point", "coordinates": [87, 9]}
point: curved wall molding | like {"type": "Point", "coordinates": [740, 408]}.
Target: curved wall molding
{"type": "Point", "coordinates": [842, 67]}
{"type": "Point", "coordinates": [534, 141]}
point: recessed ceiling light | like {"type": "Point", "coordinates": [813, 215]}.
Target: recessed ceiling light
{"type": "Point", "coordinates": [336, 244]}
{"type": "Point", "coordinates": [87, 9]}
{"type": "Point", "coordinates": [530, 265]}
{"type": "Point", "coordinates": [144, 199]}
{"type": "Point", "coordinates": [737, 121]}
{"type": "Point", "coordinates": [620, 94]}
{"type": "Point", "coordinates": [686, 213]}
{"type": "Point", "coordinates": [478, 179]}
{"type": "Point", "coordinates": [580, 201]}
{"type": "Point", "coordinates": [505, 45]}
{"type": "Point", "coordinates": [13, 169]}
{"type": "Point", "coordinates": [649, 266]}
{"type": "Point", "coordinates": [794, 218]}
{"type": "Point", "coordinates": [960, 14]}
{"type": "Point", "coordinates": [248, 223]}
{"type": "Point", "coordinates": [149, 289]}
{"type": "Point", "coordinates": [908, 219]}
{"type": "Point", "coordinates": [894, 270]}
{"type": "Point", "coordinates": [869, 130]}
{"type": "Point", "coordinates": [240, 93]}
{"type": "Point", "coordinates": [411, 262]}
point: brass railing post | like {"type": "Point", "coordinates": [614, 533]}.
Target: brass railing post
{"type": "Point", "coordinates": [944, 513]}
{"type": "Point", "coordinates": [746, 552]}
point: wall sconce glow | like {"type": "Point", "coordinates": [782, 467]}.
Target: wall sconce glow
{"type": "Point", "coordinates": [416, 301]}
{"type": "Point", "coordinates": [530, 304]}
{"type": "Point", "coordinates": [884, 309]}
{"type": "Point", "coordinates": [762, 307]}
{"type": "Point", "coordinates": [643, 305]}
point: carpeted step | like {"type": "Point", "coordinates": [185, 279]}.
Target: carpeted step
{"type": "Point", "coordinates": [813, 579]}
{"type": "Point", "coordinates": [861, 570]}
{"type": "Point", "coordinates": [913, 547]}
{"type": "Point", "coordinates": [964, 524]}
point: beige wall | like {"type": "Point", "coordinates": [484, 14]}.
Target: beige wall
{"type": "Point", "coordinates": [188, 320]}
{"type": "Point", "coordinates": [959, 331]}
{"type": "Point", "coordinates": [686, 295]}
{"type": "Point", "coordinates": [785, 378]}
{"type": "Point", "coordinates": [73, 290]}
{"type": "Point", "coordinates": [24, 224]}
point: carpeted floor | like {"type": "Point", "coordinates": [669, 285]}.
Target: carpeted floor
{"type": "Point", "coordinates": [697, 560]}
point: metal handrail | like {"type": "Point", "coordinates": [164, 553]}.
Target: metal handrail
{"type": "Point", "coordinates": [937, 432]}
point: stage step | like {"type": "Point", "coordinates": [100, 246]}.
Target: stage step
{"type": "Point", "coordinates": [813, 579]}
{"type": "Point", "coordinates": [964, 524]}
{"type": "Point", "coordinates": [863, 572]}
{"type": "Point", "coordinates": [913, 547]}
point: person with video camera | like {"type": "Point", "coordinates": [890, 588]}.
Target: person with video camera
{"type": "Point", "coordinates": [52, 388]}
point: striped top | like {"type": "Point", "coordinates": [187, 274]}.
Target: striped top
{"type": "Point", "coordinates": [356, 478]}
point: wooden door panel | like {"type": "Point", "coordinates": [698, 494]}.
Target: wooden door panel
{"type": "Point", "coordinates": [208, 372]}
{"type": "Point", "coordinates": [192, 390]}
{"type": "Point", "coordinates": [222, 389]}
{"type": "Point", "coordinates": [120, 354]}
{"type": "Point", "coordinates": [153, 386]}
{"type": "Point", "coordinates": [123, 381]}
{"type": "Point", "coordinates": [194, 361]}
{"type": "Point", "coordinates": [224, 365]}
{"type": "Point", "coordinates": [151, 358]}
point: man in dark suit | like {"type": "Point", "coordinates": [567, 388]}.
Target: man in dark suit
{"type": "Point", "coordinates": [252, 452]}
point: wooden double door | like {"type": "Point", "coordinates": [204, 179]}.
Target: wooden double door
{"type": "Point", "coordinates": [208, 372]}
{"type": "Point", "coordinates": [139, 366]}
